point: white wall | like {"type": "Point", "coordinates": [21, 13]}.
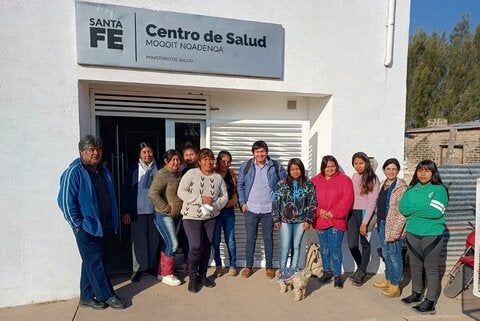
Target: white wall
{"type": "Point", "coordinates": [333, 49]}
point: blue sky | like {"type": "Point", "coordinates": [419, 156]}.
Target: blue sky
{"type": "Point", "coordinates": [441, 15]}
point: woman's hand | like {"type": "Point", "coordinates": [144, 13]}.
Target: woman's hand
{"type": "Point", "coordinates": [207, 200]}
{"type": "Point", "coordinates": [126, 219]}
{"type": "Point", "coordinates": [278, 225]}
{"type": "Point", "coordinates": [363, 229]}
{"type": "Point", "coordinates": [244, 208]}
{"type": "Point", "coordinates": [230, 203]}
{"type": "Point", "coordinates": [322, 213]}
{"type": "Point", "coordinates": [306, 226]}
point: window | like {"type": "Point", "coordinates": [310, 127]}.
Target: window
{"type": "Point", "coordinates": [455, 156]}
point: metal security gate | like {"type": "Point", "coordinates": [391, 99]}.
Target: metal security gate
{"type": "Point", "coordinates": [285, 139]}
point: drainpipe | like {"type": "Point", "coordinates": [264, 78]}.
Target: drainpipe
{"type": "Point", "coordinates": [390, 29]}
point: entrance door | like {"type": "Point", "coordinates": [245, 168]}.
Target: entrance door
{"type": "Point", "coordinates": [121, 137]}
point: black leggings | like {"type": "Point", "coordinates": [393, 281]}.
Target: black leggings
{"type": "Point", "coordinates": [353, 226]}
{"type": "Point", "coordinates": [200, 235]}
{"type": "Point", "coordinates": [424, 252]}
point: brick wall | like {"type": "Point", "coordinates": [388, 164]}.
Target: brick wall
{"type": "Point", "coordinates": [428, 145]}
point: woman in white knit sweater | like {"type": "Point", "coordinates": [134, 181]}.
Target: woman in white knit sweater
{"type": "Point", "coordinates": [204, 194]}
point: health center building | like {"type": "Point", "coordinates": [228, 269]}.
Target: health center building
{"type": "Point", "coordinates": [310, 78]}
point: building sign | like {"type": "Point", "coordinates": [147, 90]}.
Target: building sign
{"type": "Point", "coordinates": [109, 35]}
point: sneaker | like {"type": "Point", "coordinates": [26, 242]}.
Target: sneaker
{"type": "Point", "coordinates": [171, 280]}
{"type": "Point", "coordinates": [358, 279]}
{"type": "Point", "coordinates": [426, 307]}
{"type": "Point", "coordinates": [232, 271]}
{"type": "Point", "coordinates": [338, 282]}
{"type": "Point", "coordinates": [412, 298]}
{"type": "Point", "coordinates": [326, 277]}
{"type": "Point", "coordinates": [246, 272]}
{"type": "Point", "coordinates": [218, 272]}
{"type": "Point", "coordinates": [159, 277]}
{"type": "Point", "coordinates": [270, 273]}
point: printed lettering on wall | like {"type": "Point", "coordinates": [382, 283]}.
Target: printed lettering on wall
{"type": "Point", "coordinates": [147, 39]}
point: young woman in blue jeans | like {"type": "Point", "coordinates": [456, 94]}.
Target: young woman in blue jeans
{"type": "Point", "coordinates": [391, 227]}
{"type": "Point", "coordinates": [294, 208]}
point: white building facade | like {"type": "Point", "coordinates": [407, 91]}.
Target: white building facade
{"type": "Point", "coordinates": [335, 83]}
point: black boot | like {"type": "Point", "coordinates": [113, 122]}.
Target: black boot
{"type": "Point", "coordinates": [412, 298]}
{"type": "Point", "coordinates": [192, 285]}
{"type": "Point", "coordinates": [207, 283]}
{"type": "Point", "coordinates": [358, 279]}
{"type": "Point", "coordinates": [426, 307]}
{"type": "Point", "coordinates": [338, 282]}
{"type": "Point", "coordinates": [326, 277]}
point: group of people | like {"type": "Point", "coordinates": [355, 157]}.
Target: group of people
{"type": "Point", "coordinates": [401, 213]}
{"type": "Point", "coordinates": [197, 195]}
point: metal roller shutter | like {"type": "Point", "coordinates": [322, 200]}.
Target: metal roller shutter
{"type": "Point", "coordinates": [285, 139]}
{"type": "Point", "coordinates": [146, 104]}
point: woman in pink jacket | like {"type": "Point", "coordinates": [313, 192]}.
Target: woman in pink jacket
{"type": "Point", "coordinates": [334, 191]}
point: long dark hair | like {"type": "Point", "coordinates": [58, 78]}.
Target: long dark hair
{"type": "Point", "coordinates": [302, 180]}
{"type": "Point", "coordinates": [369, 178]}
{"type": "Point", "coordinates": [430, 165]}
{"type": "Point", "coordinates": [325, 160]}
{"type": "Point", "coordinates": [223, 153]}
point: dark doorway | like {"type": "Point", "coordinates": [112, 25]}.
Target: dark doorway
{"type": "Point", "coordinates": [121, 137]}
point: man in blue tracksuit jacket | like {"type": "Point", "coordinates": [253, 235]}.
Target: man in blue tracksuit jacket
{"type": "Point", "coordinates": [87, 200]}
{"type": "Point", "coordinates": [257, 181]}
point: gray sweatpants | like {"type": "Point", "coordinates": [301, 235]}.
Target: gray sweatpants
{"type": "Point", "coordinates": [424, 252]}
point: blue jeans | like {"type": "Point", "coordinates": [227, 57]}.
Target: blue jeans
{"type": "Point", "coordinates": [167, 227]}
{"type": "Point", "coordinates": [94, 281]}
{"type": "Point", "coordinates": [226, 219]}
{"type": "Point", "coordinates": [392, 253]}
{"type": "Point", "coordinates": [251, 224]}
{"type": "Point", "coordinates": [331, 249]}
{"type": "Point", "coordinates": [290, 238]}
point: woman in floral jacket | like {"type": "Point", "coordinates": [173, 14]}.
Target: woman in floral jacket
{"type": "Point", "coordinates": [391, 227]}
{"type": "Point", "coordinates": [294, 207]}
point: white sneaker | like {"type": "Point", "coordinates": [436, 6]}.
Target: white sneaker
{"type": "Point", "coordinates": [171, 280]}
{"type": "Point", "coordinates": [159, 277]}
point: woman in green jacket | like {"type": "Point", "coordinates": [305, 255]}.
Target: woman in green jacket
{"type": "Point", "coordinates": [423, 205]}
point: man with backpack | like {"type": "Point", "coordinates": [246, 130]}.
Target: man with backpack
{"type": "Point", "coordinates": [257, 181]}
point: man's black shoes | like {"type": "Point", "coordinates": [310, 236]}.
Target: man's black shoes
{"type": "Point", "coordinates": [94, 304]}
{"type": "Point", "coordinates": [115, 303]}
